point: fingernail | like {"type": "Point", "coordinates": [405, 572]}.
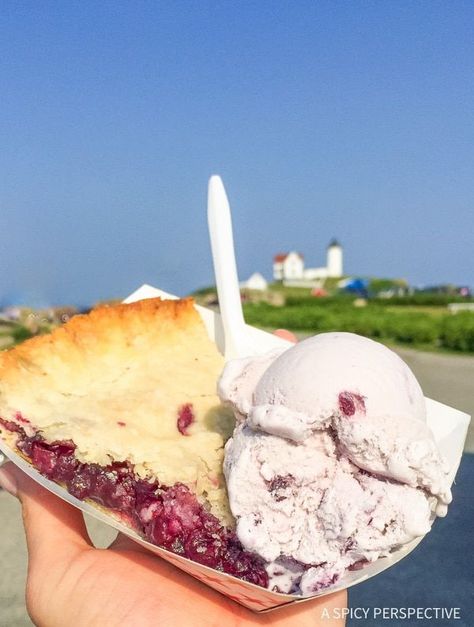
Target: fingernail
{"type": "Point", "coordinates": [7, 482]}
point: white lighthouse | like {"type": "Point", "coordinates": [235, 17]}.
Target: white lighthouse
{"type": "Point", "coordinates": [334, 259]}
{"type": "Point", "coordinates": [290, 268]}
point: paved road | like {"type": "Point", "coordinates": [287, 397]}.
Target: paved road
{"type": "Point", "coordinates": [442, 555]}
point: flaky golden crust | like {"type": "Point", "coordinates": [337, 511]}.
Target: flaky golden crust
{"type": "Point", "coordinates": [99, 325]}
{"type": "Point", "coordinates": [114, 380]}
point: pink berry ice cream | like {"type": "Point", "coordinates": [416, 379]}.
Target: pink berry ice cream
{"type": "Point", "coordinates": [331, 464]}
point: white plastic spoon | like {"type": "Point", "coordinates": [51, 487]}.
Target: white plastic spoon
{"type": "Point", "coordinates": [237, 342]}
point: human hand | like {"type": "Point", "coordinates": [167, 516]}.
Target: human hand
{"type": "Point", "coordinates": [71, 583]}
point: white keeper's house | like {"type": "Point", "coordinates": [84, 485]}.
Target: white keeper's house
{"type": "Point", "coordinates": [255, 282]}
{"type": "Point", "coordinates": [290, 267]}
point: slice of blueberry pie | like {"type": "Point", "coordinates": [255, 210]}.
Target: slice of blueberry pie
{"type": "Point", "coordinates": [119, 407]}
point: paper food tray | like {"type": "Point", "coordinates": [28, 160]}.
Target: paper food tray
{"type": "Point", "coordinates": [448, 425]}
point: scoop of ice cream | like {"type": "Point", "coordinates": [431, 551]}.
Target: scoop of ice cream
{"type": "Point", "coordinates": [332, 462]}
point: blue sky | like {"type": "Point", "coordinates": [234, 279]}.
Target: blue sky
{"type": "Point", "coordinates": [324, 119]}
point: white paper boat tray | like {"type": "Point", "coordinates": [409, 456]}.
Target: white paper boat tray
{"type": "Point", "coordinates": [448, 425]}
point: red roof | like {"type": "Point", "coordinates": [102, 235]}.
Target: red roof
{"type": "Point", "coordinates": [280, 257]}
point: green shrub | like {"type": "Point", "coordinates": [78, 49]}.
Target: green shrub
{"type": "Point", "coordinates": [415, 329]}
{"type": "Point", "coordinates": [20, 334]}
{"type": "Point", "coordinates": [457, 331]}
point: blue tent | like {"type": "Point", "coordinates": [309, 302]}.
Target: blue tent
{"type": "Point", "coordinates": [357, 286]}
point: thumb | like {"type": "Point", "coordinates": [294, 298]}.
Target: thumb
{"type": "Point", "coordinates": [286, 335]}
{"type": "Point", "coordinates": [55, 530]}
